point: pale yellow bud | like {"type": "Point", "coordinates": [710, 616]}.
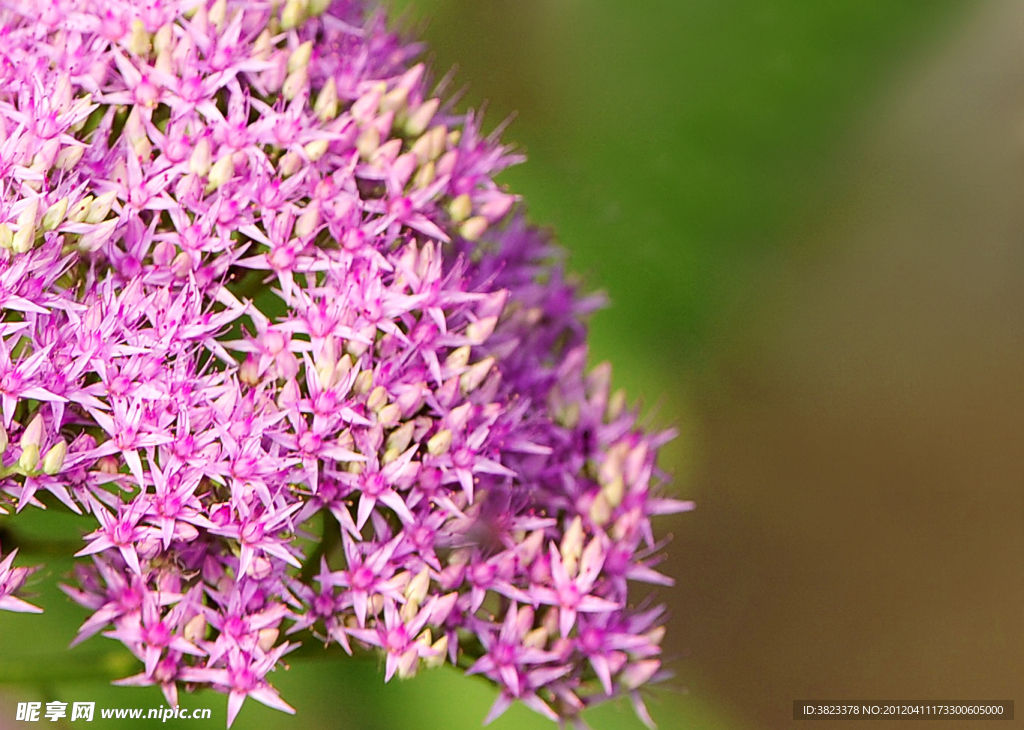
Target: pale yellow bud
{"type": "Point", "coordinates": [221, 172]}
{"type": "Point", "coordinates": [326, 106]}
{"type": "Point", "coordinates": [440, 442]}
{"type": "Point", "coordinates": [475, 227]}
{"type": "Point", "coordinates": [54, 215]}
{"type": "Point", "coordinates": [461, 208]}
{"type": "Point", "coordinates": [53, 462]}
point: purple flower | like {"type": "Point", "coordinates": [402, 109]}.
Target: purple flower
{"type": "Point", "coordinates": [11, 579]}
{"type": "Point", "coordinates": [271, 324]}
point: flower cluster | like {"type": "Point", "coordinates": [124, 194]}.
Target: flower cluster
{"type": "Point", "coordinates": [269, 322]}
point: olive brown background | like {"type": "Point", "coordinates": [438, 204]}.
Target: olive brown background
{"type": "Point", "coordinates": [809, 217]}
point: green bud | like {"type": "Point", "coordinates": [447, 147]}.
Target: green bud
{"type": "Point", "coordinates": [29, 459]}
{"type": "Point", "coordinates": [400, 438]}
{"type": "Point", "coordinates": [53, 462]}
{"type": "Point", "coordinates": [457, 361]}
{"type": "Point", "coordinates": [326, 106]}
{"type": "Point", "coordinates": [378, 398]}
{"type": "Point", "coordinates": [461, 208]}
{"type": "Point", "coordinates": [472, 378]}
{"type": "Point", "coordinates": [80, 210]}
{"type": "Point", "coordinates": [438, 654]}
{"type": "Point", "coordinates": [294, 14]}
{"type": "Point", "coordinates": [440, 442]}
{"type": "Point", "coordinates": [54, 215]}
{"type": "Point", "coordinates": [100, 207]}
{"type": "Point", "coordinates": [475, 227]}
{"type": "Point", "coordinates": [425, 175]}
{"type": "Point", "coordinates": [363, 383]}
{"type": "Point", "coordinates": [316, 149]}
{"type": "Point", "coordinates": [69, 156]}
{"type": "Point", "coordinates": [395, 100]}
{"type": "Point", "coordinates": [299, 58]}
{"type": "Point", "coordinates": [221, 172]}
{"type": "Point", "coordinates": [420, 119]}
{"type": "Point", "coordinates": [138, 39]}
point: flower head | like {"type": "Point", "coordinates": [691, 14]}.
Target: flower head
{"type": "Point", "coordinates": [259, 286]}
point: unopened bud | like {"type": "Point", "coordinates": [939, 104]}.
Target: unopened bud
{"type": "Point", "coordinates": [300, 57]}
{"type": "Point", "coordinates": [267, 639]}
{"type": "Point", "coordinates": [24, 239]}
{"type": "Point", "coordinates": [461, 208]}
{"type": "Point", "coordinates": [638, 674]}
{"type": "Point", "coordinates": [100, 207]}
{"type": "Point", "coordinates": [69, 156]}
{"type": "Point", "coordinates": [536, 639]}
{"type": "Point", "coordinates": [80, 210]}
{"type": "Point", "coordinates": [616, 405]}
{"type": "Point", "coordinates": [294, 14]}
{"type": "Point", "coordinates": [29, 459]}
{"type": "Point", "coordinates": [425, 175]}
{"type": "Point", "coordinates": [363, 382]}
{"type": "Point", "coordinates": [472, 378]}
{"type": "Point", "coordinates": [53, 462]}
{"type": "Point", "coordinates": [162, 40]}
{"type": "Point", "coordinates": [614, 491]}
{"type": "Point", "coordinates": [475, 227]}
{"type": "Point", "coordinates": [316, 149]}
{"type": "Point", "coordinates": [289, 164]}
{"type": "Point", "coordinates": [420, 119]}
{"type": "Point", "coordinates": [248, 371]}
{"type": "Point", "coordinates": [219, 14]}
{"type": "Point", "coordinates": [6, 237]}
{"type": "Point", "coordinates": [457, 361]}
{"type": "Point", "coordinates": [572, 545]}
{"type": "Point", "coordinates": [398, 440]}
{"type": "Point", "coordinates": [479, 331]}
{"type": "Point", "coordinates": [418, 587]}
{"type": "Point", "coordinates": [378, 398]}
{"type": "Point", "coordinates": [308, 222]}
{"type": "Point", "coordinates": [438, 653]}
{"type": "Point", "coordinates": [394, 100]}
{"type": "Point", "coordinates": [295, 83]}
{"type": "Point", "coordinates": [262, 46]}
{"type": "Point", "coordinates": [195, 629]}
{"type": "Point", "coordinates": [4, 439]}
{"type": "Point", "coordinates": [182, 264]}
{"type": "Point", "coordinates": [600, 510]}
{"type": "Point", "coordinates": [221, 172]}
{"type": "Point", "coordinates": [431, 145]}
{"type": "Point", "coordinates": [440, 442]}
{"type": "Point", "coordinates": [54, 215]}
{"type": "Point", "coordinates": [199, 162]}
{"type": "Point", "coordinates": [368, 142]}
{"type": "Point", "coordinates": [389, 415]}
{"type": "Point", "coordinates": [326, 107]}
{"type": "Point", "coordinates": [138, 39]}
{"type": "Point", "coordinates": [108, 465]}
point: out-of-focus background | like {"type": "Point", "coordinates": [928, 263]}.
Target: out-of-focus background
{"type": "Point", "coordinates": [809, 216]}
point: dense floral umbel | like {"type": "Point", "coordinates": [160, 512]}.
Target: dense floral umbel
{"type": "Point", "coordinates": [269, 322]}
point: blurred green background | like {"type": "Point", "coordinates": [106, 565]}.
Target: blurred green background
{"type": "Point", "coordinates": [806, 214]}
